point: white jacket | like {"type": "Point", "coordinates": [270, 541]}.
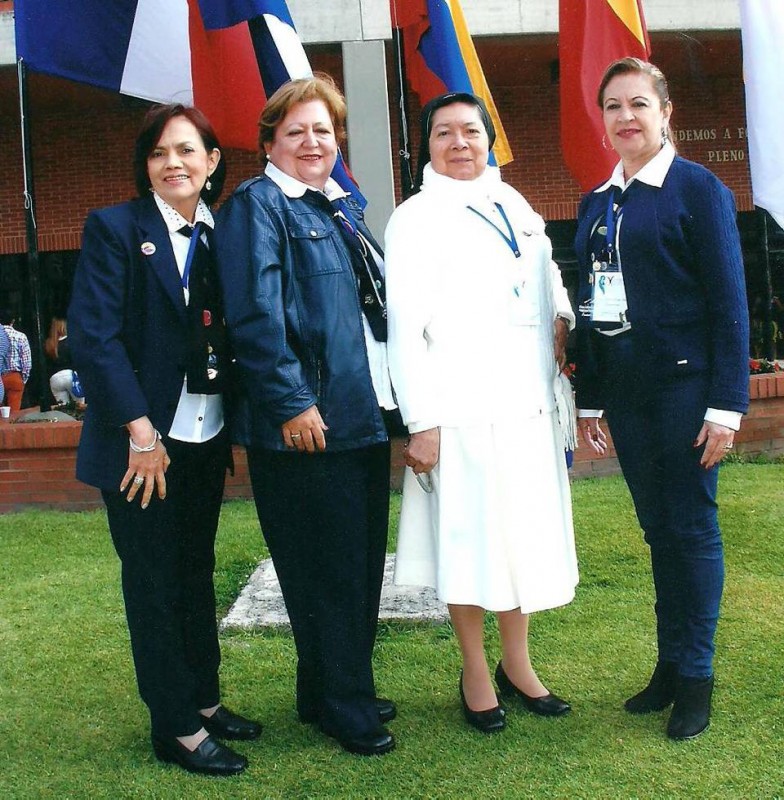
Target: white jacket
{"type": "Point", "coordinates": [470, 325]}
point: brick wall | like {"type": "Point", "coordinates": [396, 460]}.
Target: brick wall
{"type": "Point", "coordinates": [38, 459]}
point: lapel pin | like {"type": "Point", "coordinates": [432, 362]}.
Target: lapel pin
{"type": "Point", "coordinates": [148, 248]}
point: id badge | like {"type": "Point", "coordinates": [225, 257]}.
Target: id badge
{"type": "Point", "coordinates": [608, 297]}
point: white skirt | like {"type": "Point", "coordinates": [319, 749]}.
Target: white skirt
{"type": "Point", "coordinates": [496, 531]}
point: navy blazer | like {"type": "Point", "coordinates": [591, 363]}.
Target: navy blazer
{"type": "Point", "coordinates": [128, 332]}
{"type": "Point", "coordinates": [685, 285]}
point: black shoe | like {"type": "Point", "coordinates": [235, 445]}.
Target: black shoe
{"type": "Point", "coordinates": [377, 743]}
{"type": "Point", "coordinates": [209, 758]}
{"type": "Point", "coordinates": [659, 693]}
{"type": "Point", "coordinates": [387, 711]}
{"type": "Point", "coordinates": [226, 724]}
{"type": "Point", "coordinates": [691, 710]}
{"type": "Point", "coordinates": [548, 705]}
{"type": "Point", "coordinates": [492, 720]}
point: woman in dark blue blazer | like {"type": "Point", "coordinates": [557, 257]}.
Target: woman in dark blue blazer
{"type": "Point", "coordinates": [148, 340]}
{"type": "Point", "coordinates": [663, 337]}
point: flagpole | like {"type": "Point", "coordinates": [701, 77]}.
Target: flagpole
{"type": "Point", "coordinates": [768, 346]}
{"type": "Point", "coordinates": [31, 227]}
{"type": "Point", "coordinates": [406, 174]}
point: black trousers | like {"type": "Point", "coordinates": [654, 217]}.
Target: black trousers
{"type": "Point", "coordinates": [324, 517]}
{"type": "Point", "coordinates": [168, 557]}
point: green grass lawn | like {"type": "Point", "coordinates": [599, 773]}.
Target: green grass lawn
{"type": "Point", "coordinates": [72, 725]}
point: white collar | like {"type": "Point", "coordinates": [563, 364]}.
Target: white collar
{"type": "Point", "coordinates": [653, 173]}
{"type": "Point", "coordinates": [294, 188]}
{"type": "Point", "coordinates": [461, 191]}
{"type": "Point", "coordinates": [174, 220]}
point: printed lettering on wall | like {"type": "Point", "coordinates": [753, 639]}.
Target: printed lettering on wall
{"type": "Point", "coordinates": [714, 145]}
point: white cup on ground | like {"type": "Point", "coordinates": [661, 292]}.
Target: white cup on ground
{"type": "Point", "coordinates": [5, 412]}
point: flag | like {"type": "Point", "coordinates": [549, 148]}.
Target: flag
{"type": "Point", "coordinates": [223, 56]}
{"type": "Point", "coordinates": [762, 34]}
{"type": "Point", "coordinates": [592, 34]}
{"type": "Point", "coordinates": [440, 57]}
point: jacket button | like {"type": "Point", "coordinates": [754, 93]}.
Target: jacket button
{"type": "Point", "coordinates": [314, 233]}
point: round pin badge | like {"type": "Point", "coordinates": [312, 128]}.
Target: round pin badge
{"type": "Point", "coordinates": [148, 248]}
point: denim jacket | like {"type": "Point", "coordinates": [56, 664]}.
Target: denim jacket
{"type": "Point", "coordinates": [294, 319]}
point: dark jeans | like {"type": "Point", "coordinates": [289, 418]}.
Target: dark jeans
{"type": "Point", "coordinates": [168, 558]}
{"type": "Point", "coordinates": [325, 517]}
{"type": "Point", "coordinates": [654, 426]}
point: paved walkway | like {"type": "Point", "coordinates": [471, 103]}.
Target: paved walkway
{"type": "Point", "coordinates": [260, 603]}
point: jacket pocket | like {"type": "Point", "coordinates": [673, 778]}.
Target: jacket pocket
{"type": "Point", "coordinates": [314, 249]}
{"type": "Point", "coordinates": [685, 348]}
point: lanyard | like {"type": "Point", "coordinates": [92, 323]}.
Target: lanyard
{"type": "Point", "coordinates": [186, 272]}
{"type": "Point", "coordinates": [511, 239]}
{"type": "Point", "coordinates": [611, 220]}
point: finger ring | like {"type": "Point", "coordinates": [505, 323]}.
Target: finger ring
{"type": "Point", "coordinates": [138, 480]}
{"type": "Point", "coordinates": [296, 435]}
{"type": "Point", "coordinates": [728, 446]}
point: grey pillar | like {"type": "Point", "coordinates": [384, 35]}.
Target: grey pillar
{"type": "Point", "coordinates": [369, 140]}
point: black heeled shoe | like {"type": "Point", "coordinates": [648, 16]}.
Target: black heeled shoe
{"type": "Point", "coordinates": [492, 720]}
{"type": "Point", "coordinates": [548, 705]}
{"type": "Point", "coordinates": [691, 708]}
{"type": "Point", "coordinates": [226, 724]}
{"type": "Point", "coordinates": [209, 758]}
{"type": "Point", "coordinates": [659, 693]}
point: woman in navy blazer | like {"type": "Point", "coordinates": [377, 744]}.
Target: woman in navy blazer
{"type": "Point", "coordinates": [662, 349]}
{"type": "Point", "coordinates": [148, 340]}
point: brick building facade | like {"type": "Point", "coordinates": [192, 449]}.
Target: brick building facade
{"type": "Point", "coordinates": [82, 142]}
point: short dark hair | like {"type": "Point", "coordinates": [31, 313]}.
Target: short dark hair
{"type": "Point", "coordinates": [303, 90]}
{"type": "Point", "coordinates": [7, 316]}
{"type": "Point", "coordinates": [150, 134]}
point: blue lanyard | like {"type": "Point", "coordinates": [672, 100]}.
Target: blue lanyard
{"type": "Point", "coordinates": [611, 220]}
{"type": "Point", "coordinates": [186, 272]}
{"type": "Point", "coordinates": [511, 239]}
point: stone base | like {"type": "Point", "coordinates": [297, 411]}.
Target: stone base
{"type": "Point", "coordinates": [261, 605]}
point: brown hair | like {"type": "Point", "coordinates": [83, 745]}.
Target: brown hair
{"type": "Point", "coordinates": [150, 134]}
{"type": "Point", "coordinates": [303, 90]}
{"type": "Point", "coordinates": [57, 330]}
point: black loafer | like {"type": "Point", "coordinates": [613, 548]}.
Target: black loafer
{"type": "Point", "coordinates": [226, 724]}
{"type": "Point", "coordinates": [377, 743]}
{"type": "Point", "coordinates": [209, 758]}
{"type": "Point", "coordinates": [548, 705]}
{"type": "Point", "coordinates": [492, 720]}
{"type": "Point", "coordinates": [387, 711]}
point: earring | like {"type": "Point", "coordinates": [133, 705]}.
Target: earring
{"type": "Point", "coordinates": [665, 136]}
{"type": "Point", "coordinates": [208, 184]}
{"type": "Point", "coordinates": [604, 142]}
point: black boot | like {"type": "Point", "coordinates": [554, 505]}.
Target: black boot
{"type": "Point", "coordinates": [691, 712]}
{"type": "Point", "coordinates": [659, 692]}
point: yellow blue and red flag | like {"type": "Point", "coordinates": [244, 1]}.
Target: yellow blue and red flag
{"type": "Point", "coordinates": [592, 34]}
{"type": "Point", "coordinates": [440, 57]}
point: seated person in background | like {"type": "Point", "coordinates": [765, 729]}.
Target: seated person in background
{"type": "Point", "coordinates": [63, 381]}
